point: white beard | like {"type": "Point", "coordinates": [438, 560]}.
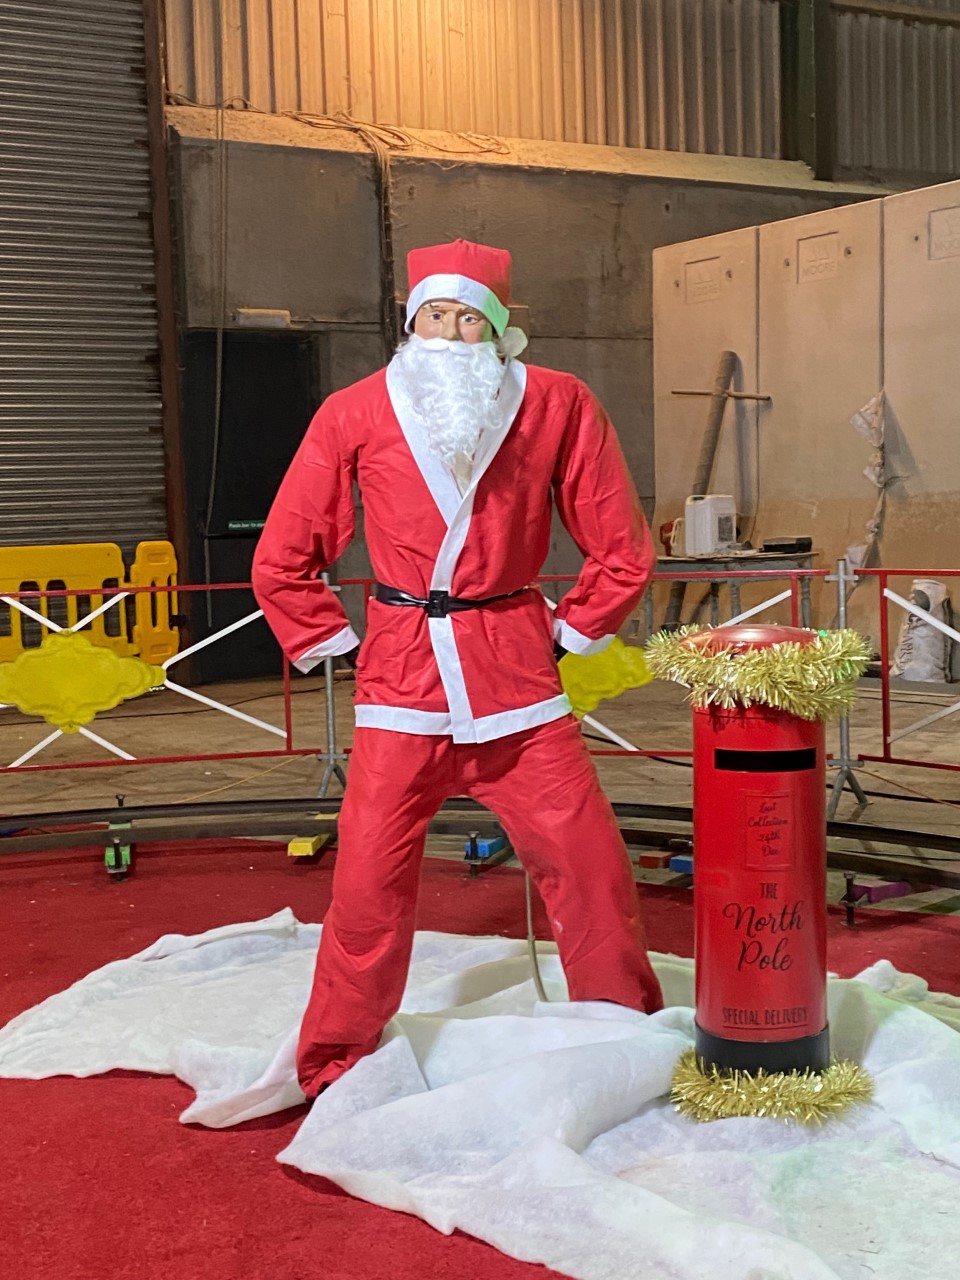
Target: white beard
{"type": "Point", "coordinates": [454, 388]}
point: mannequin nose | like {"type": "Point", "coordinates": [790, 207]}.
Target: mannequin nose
{"type": "Point", "coordinates": [450, 328]}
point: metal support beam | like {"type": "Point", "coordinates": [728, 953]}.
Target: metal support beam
{"type": "Point", "coordinates": [817, 87]}
{"type": "Point", "coordinates": [903, 12]}
{"type": "Point", "coordinates": [789, 67]}
{"type": "Point", "coordinates": [154, 27]}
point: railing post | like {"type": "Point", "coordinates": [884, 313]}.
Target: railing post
{"type": "Point", "coordinates": [842, 762]}
{"type": "Point", "coordinates": [884, 663]}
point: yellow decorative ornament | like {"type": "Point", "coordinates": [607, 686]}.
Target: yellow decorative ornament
{"type": "Point", "coordinates": [68, 680]}
{"type": "Point", "coordinates": [587, 681]}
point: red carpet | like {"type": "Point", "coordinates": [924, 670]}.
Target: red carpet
{"type": "Point", "coordinates": [99, 1179]}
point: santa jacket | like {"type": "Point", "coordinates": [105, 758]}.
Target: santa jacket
{"type": "Point", "coordinates": [485, 673]}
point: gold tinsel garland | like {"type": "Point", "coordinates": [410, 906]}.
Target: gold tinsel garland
{"type": "Point", "coordinates": [814, 681]}
{"type": "Point", "coordinates": [706, 1093]}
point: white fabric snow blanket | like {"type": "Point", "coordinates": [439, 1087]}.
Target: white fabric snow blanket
{"type": "Point", "coordinates": [545, 1128]}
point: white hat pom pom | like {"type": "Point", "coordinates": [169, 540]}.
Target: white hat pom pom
{"type": "Point", "coordinates": [514, 341]}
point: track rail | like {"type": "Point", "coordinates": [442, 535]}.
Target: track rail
{"type": "Point", "coordinates": [459, 816]}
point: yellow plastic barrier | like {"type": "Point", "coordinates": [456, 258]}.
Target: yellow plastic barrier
{"type": "Point", "coordinates": [155, 635]}
{"type": "Point", "coordinates": [144, 629]}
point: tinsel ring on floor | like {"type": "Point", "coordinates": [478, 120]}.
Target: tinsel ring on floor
{"type": "Point", "coordinates": [546, 1129]}
{"type": "Point", "coordinates": [809, 1097]}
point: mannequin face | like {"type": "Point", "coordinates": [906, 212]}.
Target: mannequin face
{"type": "Point", "coordinates": [444, 318]}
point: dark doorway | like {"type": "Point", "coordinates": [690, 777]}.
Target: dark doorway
{"type": "Point", "coordinates": [269, 390]}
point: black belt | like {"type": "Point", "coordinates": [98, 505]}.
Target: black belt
{"type": "Point", "coordinates": [439, 603]}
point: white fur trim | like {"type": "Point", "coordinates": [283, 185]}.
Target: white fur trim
{"type": "Point", "coordinates": [345, 640]}
{"type": "Point", "coordinates": [574, 642]}
{"type": "Point", "coordinates": [444, 644]}
{"type": "Point", "coordinates": [498, 726]}
{"type": "Point", "coordinates": [471, 293]}
{"type": "Point", "coordinates": [402, 719]}
{"type": "Point", "coordinates": [440, 724]}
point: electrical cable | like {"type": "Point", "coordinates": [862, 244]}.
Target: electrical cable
{"type": "Point", "coordinates": [889, 795]}
{"type": "Point", "coordinates": [918, 797]}
{"type": "Point", "coordinates": [383, 141]}
{"type": "Point", "coordinates": [260, 773]}
{"type": "Point", "coordinates": [387, 135]}
{"type": "Point", "coordinates": [221, 293]}
{"type": "Point", "coordinates": [532, 942]}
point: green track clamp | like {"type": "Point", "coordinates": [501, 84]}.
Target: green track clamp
{"type": "Point", "coordinates": [118, 855]}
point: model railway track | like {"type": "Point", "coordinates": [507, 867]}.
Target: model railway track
{"type": "Point", "coordinates": [40, 832]}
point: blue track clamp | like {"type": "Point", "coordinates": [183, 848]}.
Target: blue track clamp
{"type": "Point", "coordinates": [683, 863]}
{"type": "Point", "coordinates": [486, 848]}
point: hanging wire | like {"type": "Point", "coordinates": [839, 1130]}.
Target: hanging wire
{"type": "Point", "coordinates": [390, 136]}
{"type": "Point", "coordinates": [383, 141]}
{"type": "Point", "coordinates": [220, 204]}
{"type": "Point", "coordinates": [250, 777]}
{"type": "Point", "coordinates": [921, 795]}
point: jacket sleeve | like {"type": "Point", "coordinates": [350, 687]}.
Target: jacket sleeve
{"type": "Point", "coordinates": [309, 526]}
{"type": "Point", "coordinates": [599, 507]}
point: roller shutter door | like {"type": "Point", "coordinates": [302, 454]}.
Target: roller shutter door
{"type": "Point", "coordinates": [81, 449]}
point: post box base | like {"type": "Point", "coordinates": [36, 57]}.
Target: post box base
{"type": "Point", "coordinates": [807, 1053]}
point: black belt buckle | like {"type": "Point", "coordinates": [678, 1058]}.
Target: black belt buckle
{"type": "Point", "coordinates": [437, 605]}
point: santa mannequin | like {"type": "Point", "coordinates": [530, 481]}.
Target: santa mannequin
{"type": "Point", "coordinates": [459, 451]}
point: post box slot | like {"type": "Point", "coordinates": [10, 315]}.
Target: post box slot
{"type": "Point", "coordinates": [766, 761]}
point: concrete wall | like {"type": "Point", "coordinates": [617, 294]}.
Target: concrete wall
{"type": "Point", "coordinates": [921, 358]}
{"type": "Point", "coordinates": [300, 233]}
{"type": "Point", "coordinates": [839, 305]}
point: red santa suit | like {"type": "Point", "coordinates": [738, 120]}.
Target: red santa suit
{"type": "Point", "coordinates": [460, 703]}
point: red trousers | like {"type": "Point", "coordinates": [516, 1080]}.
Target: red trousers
{"type": "Point", "coordinates": [542, 785]}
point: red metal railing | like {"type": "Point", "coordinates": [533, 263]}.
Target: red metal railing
{"type": "Point", "coordinates": [105, 593]}
{"type": "Point", "coordinates": [882, 578]}
{"type": "Point", "coordinates": [799, 581]}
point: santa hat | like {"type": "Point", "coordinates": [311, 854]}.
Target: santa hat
{"type": "Point", "coordinates": [473, 274]}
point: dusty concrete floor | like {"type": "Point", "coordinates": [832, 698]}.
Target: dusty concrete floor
{"type": "Point", "coordinates": [655, 718]}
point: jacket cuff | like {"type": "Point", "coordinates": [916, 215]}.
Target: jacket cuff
{"type": "Point", "coordinates": [345, 640]}
{"type": "Point", "coordinates": [574, 642]}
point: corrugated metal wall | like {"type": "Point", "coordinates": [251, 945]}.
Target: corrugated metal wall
{"type": "Point", "coordinates": [687, 75]}
{"type": "Point", "coordinates": [682, 75]}
{"type": "Point", "coordinates": [81, 454]}
{"type": "Point", "coordinates": [899, 93]}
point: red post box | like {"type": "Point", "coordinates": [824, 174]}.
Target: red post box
{"type": "Point", "coordinates": [759, 878]}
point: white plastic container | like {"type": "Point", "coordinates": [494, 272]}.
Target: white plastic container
{"type": "Point", "coordinates": [709, 524]}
